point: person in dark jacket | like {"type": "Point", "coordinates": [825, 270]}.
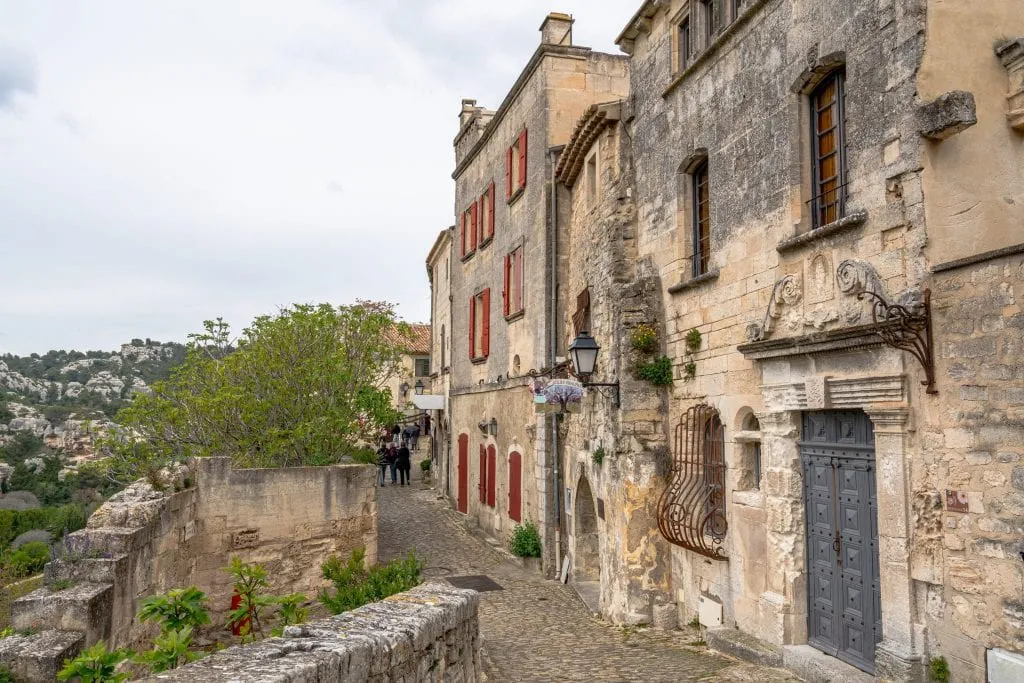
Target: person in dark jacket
{"type": "Point", "coordinates": [382, 462]}
{"type": "Point", "coordinates": [392, 459]}
{"type": "Point", "coordinates": [405, 465]}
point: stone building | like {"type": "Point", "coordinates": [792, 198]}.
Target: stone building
{"type": "Point", "coordinates": [439, 274]}
{"type": "Point", "coordinates": [414, 366]}
{"type": "Point", "coordinates": [503, 297]}
{"type": "Point", "coordinates": [830, 193]}
{"type": "Point", "coordinates": [810, 216]}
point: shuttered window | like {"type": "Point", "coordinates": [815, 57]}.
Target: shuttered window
{"type": "Point", "coordinates": [512, 295]}
{"type": "Point", "coordinates": [491, 475]}
{"type": "Point", "coordinates": [479, 325]}
{"type": "Point", "coordinates": [486, 203]}
{"type": "Point", "coordinates": [482, 487]}
{"type": "Point", "coordinates": [515, 167]}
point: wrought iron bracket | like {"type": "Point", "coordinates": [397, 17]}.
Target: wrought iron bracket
{"type": "Point", "coordinates": [613, 388]}
{"type": "Point", "coordinates": [907, 331]}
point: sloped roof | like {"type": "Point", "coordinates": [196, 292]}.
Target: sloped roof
{"type": "Point", "coordinates": [416, 344]}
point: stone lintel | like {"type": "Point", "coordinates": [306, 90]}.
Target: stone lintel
{"type": "Point", "coordinates": [841, 339]}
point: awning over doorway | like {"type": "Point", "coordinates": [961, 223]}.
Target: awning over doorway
{"type": "Point", "coordinates": [428, 401]}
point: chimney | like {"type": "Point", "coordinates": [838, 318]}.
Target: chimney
{"type": "Point", "coordinates": [557, 29]}
{"type": "Point", "coordinates": [468, 108]}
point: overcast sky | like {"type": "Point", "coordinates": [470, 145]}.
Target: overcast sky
{"type": "Point", "coordinates": [167, 161]}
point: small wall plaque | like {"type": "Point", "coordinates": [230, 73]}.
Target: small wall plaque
{"type": "Point", "coordinates": [600, 508]}
{"type": "Point", "coordinates": [246, 538]}
{"type": "Point", "coordinates": [956, 501]}
{"type": "Point", "coordinates": [189, 531]}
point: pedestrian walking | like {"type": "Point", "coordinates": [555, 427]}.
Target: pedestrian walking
{"type": "Point", "coordinates": [382, 462]}
{"type": "Point", "coordinates": [405, 465]}
{"type": "Point", "coordinates": [392, 459]}
{"type": "Point", "coordinates": [414, 437]}
{"type": "Point", "coordinates": [396, 434]}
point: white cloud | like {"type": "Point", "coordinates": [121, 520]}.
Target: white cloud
{"type": "Point", "coordinates": [170, 161]}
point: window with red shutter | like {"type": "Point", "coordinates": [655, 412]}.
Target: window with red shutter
{"type": "Point", "coordinates": [522, 159]}
{"type": "Point", "coordinates": [490, 210]}
{"type": "Point", "coordinates": [485, 324]}
{"type": "Point", "coordinates": [506, 293]}
{"type": "Point", "coordinates": [462, 233]}
{"type": "Point", "coordinates": [473, 226]}
{"type": "Point", "coordinates": [472, 327]}
{"type": "Point", "coordinates": [508, 174]}
{"type": "Point", "coordinates": [518, 279]}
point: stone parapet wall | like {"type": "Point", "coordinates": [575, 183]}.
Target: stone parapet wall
{"type": "Point", "coordinates": [430, 633]}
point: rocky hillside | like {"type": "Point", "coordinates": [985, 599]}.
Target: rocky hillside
{"type": "Point", "coordinates": [56, 394]}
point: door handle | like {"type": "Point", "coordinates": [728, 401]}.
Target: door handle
{"type": "Point", "coordinates": [837, 544]}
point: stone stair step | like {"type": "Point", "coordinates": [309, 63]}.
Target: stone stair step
{"type": "Point", "coordinates": [116, 541]}
{"type": "Point", "coordinates": [744, 646]}
{"type": "Point", "coordinates": [38, 657]}
{"type": "Point", "coordinates": [88, 569]}
{"type": "Point", "coordinates": [84, 607]}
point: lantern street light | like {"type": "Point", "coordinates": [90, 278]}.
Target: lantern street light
{"type": "Point", "coordinates": [419, 387]}
{"type": "Point", "coordinates": [583, 350]}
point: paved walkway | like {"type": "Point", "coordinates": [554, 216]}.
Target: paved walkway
{"type": "Point", "coordinates": [539, 630]}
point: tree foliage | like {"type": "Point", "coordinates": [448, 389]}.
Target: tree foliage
{"type": "Point", "coordinates": [355, 585]}
{"type": "Point", "coordinates": [302, 387]}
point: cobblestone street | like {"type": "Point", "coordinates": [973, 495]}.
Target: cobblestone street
{"type": "Point", "coordinates": [538, 630]}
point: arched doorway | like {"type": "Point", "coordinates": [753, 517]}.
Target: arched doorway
{"type": "Point", "coordinates": [587, 548]}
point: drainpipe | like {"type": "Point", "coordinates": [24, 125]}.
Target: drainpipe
{"type": "Point", "coordinates": [553, 419]}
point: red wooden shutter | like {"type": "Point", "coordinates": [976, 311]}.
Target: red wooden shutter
{"type": "Point", "coordinates": [515, 464]}
{"type": "Point", "coordinates": [463, 472]}
{"type": "Point", "coordinates": [519, 279]}
{"type": "Point", "coordinates": [485, 324]}
{"type": "Point", "coordinates": [490, 210]}
{"type": "Point", "coordinates": [472, 327]}
{"type": "Point", "coordinates": [508, 174]}
{"type": "Point", "coordinates": [522, 159]}
{"type": "Point", "coordinates": [472, 224]}
{"type": "Point", "coordinates": [491, 469]}
{"type": "Point", "coordinates": [506, 293]}
{"type": "Point", "coordinates": [462, 232]}
{"type": "Point", "coordinates": [483, 475]}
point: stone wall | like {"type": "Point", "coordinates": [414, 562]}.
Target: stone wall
{"type": "Point", "coordinates": [969, 483]}
{"type": "Point", "coordinates": [143, 542]}
{"type": "Point", "coordinates": [430, 633]}
{"type": "Point", "coordinates": [611, 534]}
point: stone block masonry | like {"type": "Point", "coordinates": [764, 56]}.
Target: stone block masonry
{"type": "Point", "coordinates": [430, 633]}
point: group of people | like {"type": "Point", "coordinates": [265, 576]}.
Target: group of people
{"type": "Point", "coordinates": [398, 460]}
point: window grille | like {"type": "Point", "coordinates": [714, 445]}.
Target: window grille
{"type": "Point", "coordinates": [691, 512]}
{"type": "Point", "coordinates": [828, 136]}
{"type": "Point", "coordinates": [701, 220]}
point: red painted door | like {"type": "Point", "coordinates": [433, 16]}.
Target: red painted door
{"type": "Point", "coordinates": [515, 486]}
{"type": "Point", "coordinates": [482, 484]}
{"type": "Point", "coordinates": [463, 472]}
{"type": "Point", "coordinates": [492, 469]}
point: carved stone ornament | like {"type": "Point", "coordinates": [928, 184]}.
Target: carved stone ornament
{"type": "Point", "coordinates": [786, 291]}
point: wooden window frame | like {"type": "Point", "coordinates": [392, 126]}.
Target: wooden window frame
{"type": "Point", "coordinates": [701, 201]}
{"type": "Point", "coordinates": [683, 41]}
{"type": "Point", "coordinates": [486, 203]}
{"type": "Point", "coordinates": [479, 326]}
{"type": "Point", "coordinates": [826, 212]}
{"type": "Point", "coordinates": [513, 297]}
{"type": "Point", "coordinates": [516, 165]}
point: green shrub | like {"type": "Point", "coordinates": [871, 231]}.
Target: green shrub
{"type": "Point", "coordinates": [658, 372]}
{"type": "Point", "coordinates": [176, 610]}
{"type": "Point", "coordinates": [425, 465]}
{"type": "Point", "coordinates": [938, 670]}
{"type": "Point", "coordinates": [525, 540]}
{"type": "Point", "coordinates": [689, 371]}
{"type": "Point", "coordinates": [290, 611]}
{"type": "Point", "coordinates": [29, 559]}
{"type": "Point", "coordinates": [598, 455]}
{"type": "Point", "coordinates": [354, 585]}
{"type": "Point", "coordinates": [57, 520]}
{"type": "Point", "coordinates": [96, 665]}
{"type": "Point", "coordinates": [5, 675]}
{"type": "Point", "coordinates": [364, 456]}
{"type": "Point", "coordinates": [644, 338]}
{"type": "Point", "coordinates": [693, 340]}
{"type": "Point", "coordinates": [250, 580]}
{"type": "Point", "coordinates": [170, 650]}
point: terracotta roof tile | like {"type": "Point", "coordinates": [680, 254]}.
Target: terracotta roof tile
{"type": "Point", "coordinates": [416, 344]}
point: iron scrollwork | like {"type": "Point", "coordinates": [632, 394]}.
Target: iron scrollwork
{"type": "Point", "coordinates": [907, 330]}
{"type": "Point", "coordinates": [691, 510]}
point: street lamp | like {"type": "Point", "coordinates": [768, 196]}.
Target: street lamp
{"type": "Point", "coordinates": [419, 387]}
{"type": "Point", "coordinates": [583, 351]}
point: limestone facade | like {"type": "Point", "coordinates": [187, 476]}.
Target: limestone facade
{"type": "Point", "coordinates": [506, 220]}
{"type": "Point", "coordinates": [439, 264]}
{"type": "Point", "coordinates": [818, 208]}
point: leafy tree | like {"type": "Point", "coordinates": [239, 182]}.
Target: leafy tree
{"type": "Point", "coordinates": [298, 388]}
{"type": "Point", "coordinates": [250, 581]}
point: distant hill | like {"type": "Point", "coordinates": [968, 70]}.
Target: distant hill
{"type": "Point", "coordinates": [39, 393]}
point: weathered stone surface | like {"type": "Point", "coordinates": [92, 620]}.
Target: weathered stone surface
{"type": "Point", "coordinates": [947, 115]}
{"type": "Point", "coordinates": [430, 633]}
{"type": "Point", "coordinates": [38, 657]}
{"type": "Point", "coordinates": [84, 607]}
